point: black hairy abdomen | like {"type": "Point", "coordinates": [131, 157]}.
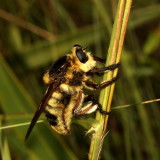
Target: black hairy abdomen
{"type": "Point", "coordinates": [52, 119]}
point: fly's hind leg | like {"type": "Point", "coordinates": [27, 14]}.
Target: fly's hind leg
{"type": "Point", "coordinates": [92, 106]}
{"type": "Point", "coordinates": [79, 102]}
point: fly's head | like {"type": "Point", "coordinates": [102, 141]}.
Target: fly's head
{"type": "Point", "coordinates": [82, 59]}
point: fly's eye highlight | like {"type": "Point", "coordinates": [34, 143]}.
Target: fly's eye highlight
{"type": "Point", "coordinates": [81, 56]}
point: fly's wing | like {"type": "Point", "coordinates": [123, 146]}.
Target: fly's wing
{"type": "Point", "coordinates": [51, 88]}
{"type": "Point", "coordinates": [57, 70]}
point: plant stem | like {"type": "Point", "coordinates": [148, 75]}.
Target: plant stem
{"type": "Point", "coordinates": [113, 56]}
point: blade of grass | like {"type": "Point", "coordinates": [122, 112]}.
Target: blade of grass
{"type": "Point", "coordinates": [103, 14]}
{"type": "Point", "coordinates": [22, 23]}
{"type": "Point", "coordinates": [5, 152]}
{"type": "Point", "coordinates": [114, 53]}
{"type": "Point", "coordinates": [65, 15]}
{"type": "Point", "coordinates": [130, 105]}
{"type": "Point", "coordinates": [144, 15]}
{"type": "Point", "coordinates": [4, 148]}
{"type": "Point", "coordinates": [19, 125]}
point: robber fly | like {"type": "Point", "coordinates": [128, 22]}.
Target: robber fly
{"type": "Point", "coordinates": [64, 97]}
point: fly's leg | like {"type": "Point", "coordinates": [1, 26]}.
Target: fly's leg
{"type": "Point", "coordinates": [92, 106]}
{"type": "Point", "coordinates": [107, 83]}
{"type": "Point", "coordinates": [95, 102]}
{"type": "Point", "coordinates": [92, 85]}
{"type": "Point", "coordinates": [98, 59]}
{"type": "Point", "coordinates": [108, 68]}
{"type": "Point", "coordinates": [78, 105]}
{"type": "Point", "coordinates": [101, 71]}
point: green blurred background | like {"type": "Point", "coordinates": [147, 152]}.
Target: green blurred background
{"type": "Point", "coordinates": [34, 33]}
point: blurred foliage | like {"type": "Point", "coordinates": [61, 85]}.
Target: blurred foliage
{"type": "Point", "coordinates": [35, 33]}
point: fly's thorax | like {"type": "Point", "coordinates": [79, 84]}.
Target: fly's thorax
{"type": "Point", "coordinates": [73, 81]}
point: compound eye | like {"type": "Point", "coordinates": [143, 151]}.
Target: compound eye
{"type": "Point", "coordinates": [77, 45]}
{"type": "Point", "coordinates": [81, 56]}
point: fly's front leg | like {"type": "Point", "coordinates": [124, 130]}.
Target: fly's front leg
{"type": "Point", "coordinates": [92, 85]}
{"type": "Point", "coordinates": [101, 71]}
{"type": "Point", "coordinates": [92, 106]}
{"type": "Point", "coordinates": [98, 59]}
{"type": "Point", "coordinates": [108, 68]}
